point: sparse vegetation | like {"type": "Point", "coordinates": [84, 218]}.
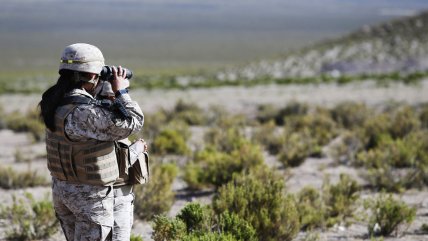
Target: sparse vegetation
{"type": "Point", "coordinates": [197, 222]}
{"type": "Point", "coordinates": [156, 197]}
{"type": "Point", "coordinates": [388, 215]}
{"type": "Point", "coordinates": [258, 197]}
{"type": "Point", "coordinates": [11, 179]}
{"type": "Point", "coordinates": [28, 219]}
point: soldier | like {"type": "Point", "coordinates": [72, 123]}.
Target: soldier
{"type": "Point", "coordinates": [81, 137]}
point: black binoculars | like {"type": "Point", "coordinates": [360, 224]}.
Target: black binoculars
{"type": "Point", "coordinates": [107, 73]}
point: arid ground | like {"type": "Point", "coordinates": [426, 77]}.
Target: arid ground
{"type": "Point", "coordinates": [238, 100]}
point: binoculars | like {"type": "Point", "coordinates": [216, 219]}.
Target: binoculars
{"type": "Point", "coordinates": [107, 73]}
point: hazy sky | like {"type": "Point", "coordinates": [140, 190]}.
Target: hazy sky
{"type": "Point", "coordinates": [168, 32]}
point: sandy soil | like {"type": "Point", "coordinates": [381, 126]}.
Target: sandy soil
{"type": "Point", "coordinates": [243, 100]}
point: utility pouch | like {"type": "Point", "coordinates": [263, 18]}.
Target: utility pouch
{"type": "Point", "coordinates": [138, 172]}
{"type": "Point", "coordinates": [123, 162]}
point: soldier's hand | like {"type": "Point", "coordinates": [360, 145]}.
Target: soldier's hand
{"type": "Point", "coordinates": [119, 81]}
{"type": "Point", "coordinates": [141, 146]}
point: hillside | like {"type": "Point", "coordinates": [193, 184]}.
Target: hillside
{"type": "Point", "coordinates": [399, 45]}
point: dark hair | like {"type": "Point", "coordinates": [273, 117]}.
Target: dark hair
{"type": "Point", "coordinates": [52, 97]}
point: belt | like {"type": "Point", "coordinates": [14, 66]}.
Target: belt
{"type": "Point", "coordinates": [122, 190]}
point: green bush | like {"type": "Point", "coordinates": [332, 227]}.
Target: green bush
{"type": "Point", "coordinates": [296, 148]}
{"type": "Point", "coordinates": [188, 112]}
{"type": "Point", "coordinates": [210, 237]}
{"type": "Point", "coordinates": [170, 141]}
{"type": "Point", "coordinates": [29, 122]}
{"type": "Point", "coordinates": [345, 150]}
{"type": "Point", "coordinates": [423, 116]}
{"type": "Point", "coordinates": [156, 197]}
{"type": "Point", "coordinates": [10, 179]}
{"type": "Point", "coordinates": [225, 139]}
{"type": "Point", "coordinates": [403, 122]}
{"type": "Point", "coordinates": [269, 136]}
{"type": "Point", "coordinates": [424, 228]}
{"type": "Point", "coordinates": [267, 113]}
{"type": "Point", "coordinates": [340, 199]}
{"type": "Point", "coordinates": [312, 211]}
{"type": "Point", "coordinates": [153, 124]}
{"type": "Point", "coordinates": [237, 226]}
{"type": "Point", "coordinates": [373, 130]}
{"type": "Point", "coordinates": [350, 114]}
{"type": "Point", "coordinates": [388, 215]}
{"type": "Point", "coordinates": [196, 217]}
{"type": "Point", "coordinates": [321, 127]}
{"type": "Point", "coordinates": [168, 229]}
{"type": "Point", "coordinates": [212, 167]}
{"type": "Point", "coordinates": [136, 238]}
{"type": "Point", "coordinates": [397, 164]}
{"type": "Point", "coordinates": [258, 197]}
{"type": "Point", "coordinates": [197, 222]}
{"type": "Point", "coordinates": [334, 204]}
{"type": "Point", "coordinates": [292, 109]}
{"type": "Point", "coordinates": [28, 219]}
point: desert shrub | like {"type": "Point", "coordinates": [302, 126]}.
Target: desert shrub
{"type": "Point", "coordinates": [156, 197]}
{"type": "Point", "coordinates": [424, 228]}
{"type": "Point", "coordinates": [373, 130]}
{"type": "Point", "coordinates": [2, 119]}
{"type": "Point", "coordinates": [340, 199]}
{"type": "Point", "coordinates": [10, 179]}
{"type": "Point", "coordinates": [403, 122]}
{"type": "Point", "coordinates": [269, 136]}
{"type": "Point", "coordinates": [210, 237]}
{"type": "Point", "coordinates": [190, 113]}
{"type": "Point", "coordinates": [296, 148]}
{"type": "Point", "coordinates": [423, 116]}
{"type": "Point", "coordinates": [153, 124]}
{"type": "Point", "coordinates": [312, 211]}
{"type": "Point", "coordinates": [350, 114]}
{"type": "Point", "coordinates": [225, 139]}
{"type": "Point", "coordinates": [258, 198]}
{"type": "Point", "coordinates": [266, 113]}
{"type": "Point", "coordinates": [320, 126]}
{"type": "Point", "coordinates": [292, 109]}
{"type": "Point", "coordinates": [396, 164]}
{"type": "Point", "coordinates": [165, 228]}
{"type": "Point", "coordinates": [28, 219]}
{"type": "Point", "coordinates": [418, 177]}
{"type": "Point", "coordinates": [29, 122]}
{"type": "Point", "coordinates": [333, 204]}
{"type": "Point", "coordinates": [196, 217]}
{"type": "Point", "coordinates": [218, 117]}
{"type": "Point", "coordinates": [170, 141]}
{"type": "Point", "coordinates": [388, 215]}
{"type": "Point", "coordinates": [213, 167]}
{"type": "Point", "coordinates": [197, 222]}
{"type": "Point", "coordinates": [237, 226]}
{"type": "Point", "coordinates": [346, 148]}
{"type": "Point", "coordinates": [136, 238]}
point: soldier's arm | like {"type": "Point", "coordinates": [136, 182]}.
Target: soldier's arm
{"type": "Point", "coordinates": [94, 122]}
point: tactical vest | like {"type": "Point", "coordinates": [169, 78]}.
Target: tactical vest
{"type": "Point", "coordinates": [89, 162]}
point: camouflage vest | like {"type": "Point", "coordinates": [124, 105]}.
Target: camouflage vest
{"type": "Point", "coordinates": [89, 162]}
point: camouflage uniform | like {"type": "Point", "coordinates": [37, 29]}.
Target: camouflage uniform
{"type": "Point", "coordinates": [87, 212]}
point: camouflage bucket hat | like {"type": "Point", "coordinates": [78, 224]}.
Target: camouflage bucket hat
{"type": "Point", "coordinates": [83, 58]}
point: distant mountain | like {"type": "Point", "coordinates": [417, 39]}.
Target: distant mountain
{"type": "Point", "coordinates": [399, 45]}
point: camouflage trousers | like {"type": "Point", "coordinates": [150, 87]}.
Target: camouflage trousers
{"type": "Point", "coordinates": [123, 215]}
{"type": "Point", "coordinates": [84, 211]}
{"type": "Point", "coordinates": [88, 212]}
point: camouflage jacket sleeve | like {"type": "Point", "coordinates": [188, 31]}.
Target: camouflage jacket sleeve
{"type": "Point", "coordinates": [95, 122]}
